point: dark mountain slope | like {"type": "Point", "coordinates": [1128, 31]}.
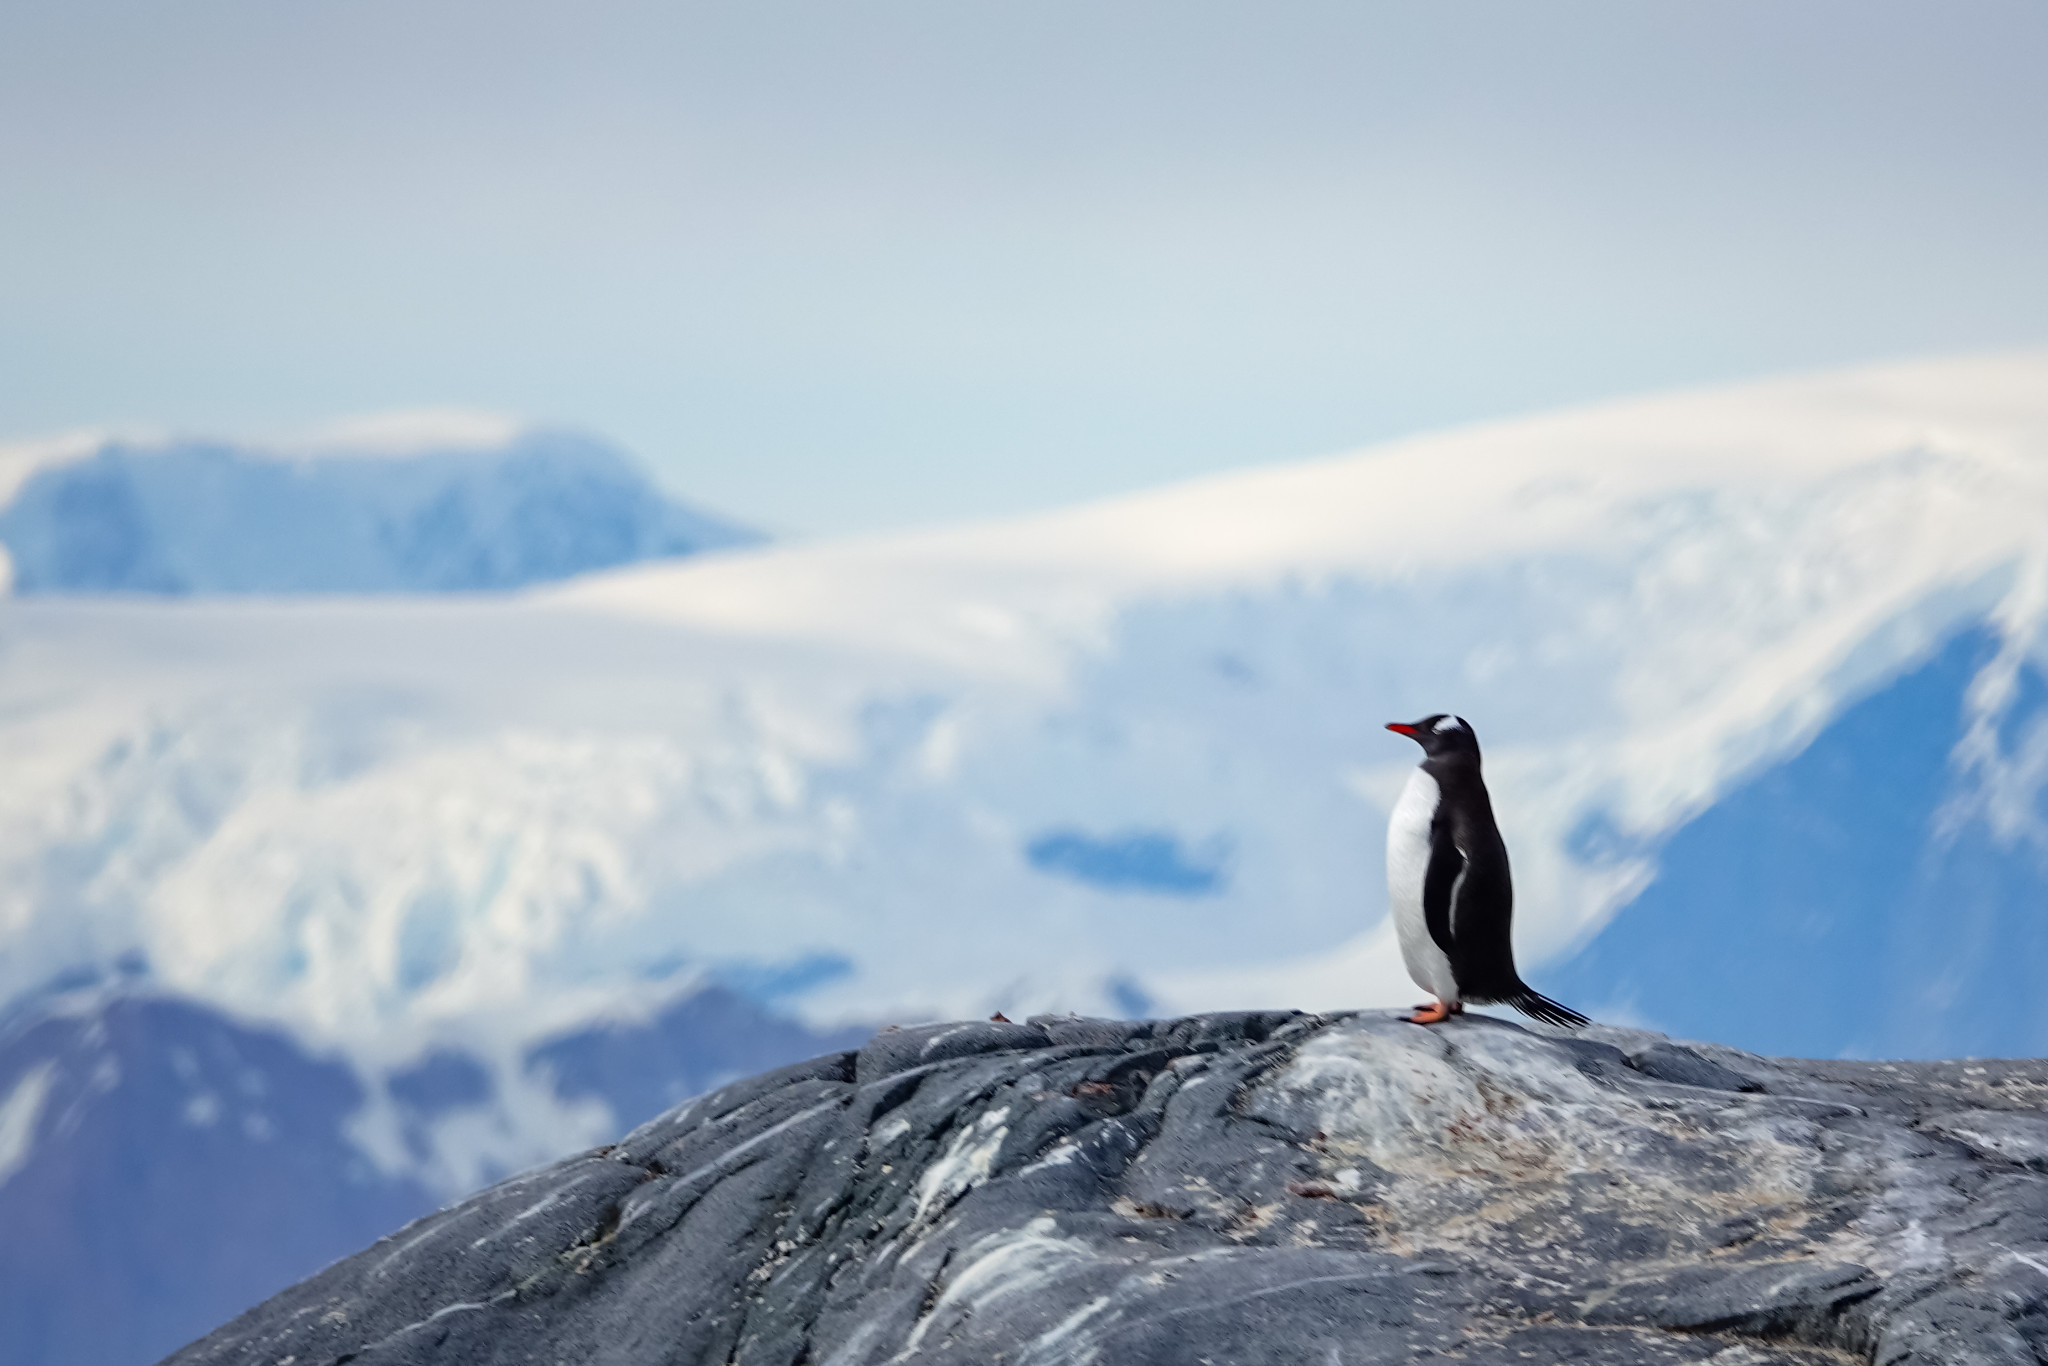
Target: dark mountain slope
{"type": "Point", "coordinates": [1853, 900]}
{"type": "Point", "coordinates": [163, 1167]}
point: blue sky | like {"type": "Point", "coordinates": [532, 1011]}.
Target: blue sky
{"type": "Point", "coordinates": [848, 266]}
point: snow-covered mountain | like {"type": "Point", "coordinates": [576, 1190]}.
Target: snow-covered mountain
{"type": "Point", "coordinates": [1758, 672]}
{"type": "Point", "coordinates": [422, 503]}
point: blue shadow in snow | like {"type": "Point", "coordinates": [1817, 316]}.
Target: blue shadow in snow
{"type": "Point", "coordinates": [1131, 861]}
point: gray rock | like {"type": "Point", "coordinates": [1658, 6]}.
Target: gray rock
{"type": "Point", "coordinates": [1242, 1189]}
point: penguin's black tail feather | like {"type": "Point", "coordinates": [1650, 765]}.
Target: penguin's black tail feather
{"type": "Point", "coordinates": [1537, 1006]}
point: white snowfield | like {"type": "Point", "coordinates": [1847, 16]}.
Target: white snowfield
{"type": "Point", "coordinates": [914, 774]}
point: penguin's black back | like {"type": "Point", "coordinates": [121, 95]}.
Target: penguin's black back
{"type": "Point", "coordinates": [1468, 895]}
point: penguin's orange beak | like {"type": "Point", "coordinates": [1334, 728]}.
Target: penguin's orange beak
{"type": "Point", "coordinates": [1402, 728]}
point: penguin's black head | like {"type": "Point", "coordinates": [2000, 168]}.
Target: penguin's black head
{"type": "Point", "coordinates": [1441, 736]}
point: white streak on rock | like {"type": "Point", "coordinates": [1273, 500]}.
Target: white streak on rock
{"type": "Point", "coordinates": [965, 1165]}
{"type": "Point", "coordinates": [1004, 1264]}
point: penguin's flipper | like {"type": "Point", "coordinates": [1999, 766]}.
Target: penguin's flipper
{"type": "Point", "coordinates": [1440, 886]}
{"type": "Point", "coordinates": [1537, 1006]}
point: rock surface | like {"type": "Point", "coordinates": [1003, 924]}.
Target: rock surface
{"type": "Point", "coordinates": [1264, 1188]}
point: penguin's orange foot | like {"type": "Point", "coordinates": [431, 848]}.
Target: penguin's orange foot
{"type": "Point", "coordinates": [1436, 1012]}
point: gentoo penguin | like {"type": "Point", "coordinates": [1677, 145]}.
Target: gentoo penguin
{"type": "Point", "coordinates": [1448, 885]}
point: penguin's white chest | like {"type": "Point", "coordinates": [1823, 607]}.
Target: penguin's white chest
{"type": "Point", "coordinates": [1407, 866]}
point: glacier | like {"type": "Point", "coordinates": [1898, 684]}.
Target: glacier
{"type": "Point", "coordinates": [1119, 759]}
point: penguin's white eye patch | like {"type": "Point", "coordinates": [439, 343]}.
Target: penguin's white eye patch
{"type": "Point", "coordinates": [1449, 723]}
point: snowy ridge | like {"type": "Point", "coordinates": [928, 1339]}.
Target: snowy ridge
{"type": "Point", "coordinates": [1122, 758]}
{"type": "Point", "coordinates": [413, 431]}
